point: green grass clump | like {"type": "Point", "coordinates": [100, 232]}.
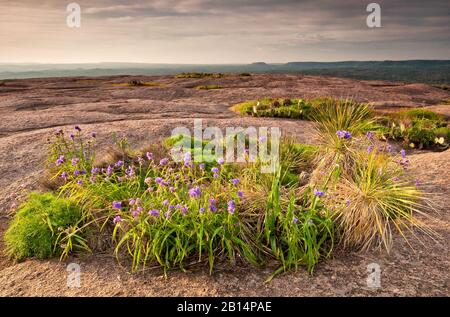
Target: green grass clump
{"type": "Point", "coordinates": [39, 226]}
{"type": "Point", "coordinates": [200, 75]}
{"type": "Point", "coordinates": [278, 108]}
{"type": "Point", "coordinates": [208, 87]}
{"type": "Point", "coordinates": [417, 128]}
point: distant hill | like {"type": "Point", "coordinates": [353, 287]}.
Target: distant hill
{"type": "Point", "coordinates": [426, 71]}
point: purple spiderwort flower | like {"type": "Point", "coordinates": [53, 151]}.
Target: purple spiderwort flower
{"type": "Point", "coordinates": [165, 202]}
{"type": "Point", "coordinates": [131, 201]}
{"type": "Point", "coordinates": [187, 159]}
{"type": "Point", "coordinates": [202, 166]}
{"type": "Point", "coordinates": [215, 175]}
{"type": "Point", "coordinates": [140, 160]}
{"type": "Point", "coordinates": [202, 210]}
{"type": "Point", "coordinates": [215, 170]}
{"type": "Point", "coordinates": [109, 171]}
{"type": "Point", "coordinates": [75, 161]}
{"type": "Point", "coordinates": [77, 172]}
{"type": "Point", "coordinates": [94, 134]}
{"type": "Point", "coordinates": [149, 156]}
{"type": "Point", "coordinates": [235, 181]}
{"type": "Point", "coordinates": [369, 135]}
{"type": "Point", "coordinates": [370, 149]}
{"type": "Point", "coordinates": [64, 175]}
{"type": "Point", "coordinates": [72, 136]}
{"type": "Point", "coordinates": [61, 159]}
{"type": "Point", "coordinates": [231, 206]}
{"type": "Point", "coordinates": [117, 205]}
{"type": "Point", "coordinates": [184, 210]}
{"type": "Point", "coordinates": [95, 170]}
{"type": "Point", "coordinates": [295, 220]}
{"type": "Point", "coordinates": [221, 161]}
{"type": "Point", "coordinates": [154, 212]}
{"type": "Point", "coordinates": [117, 219]}
{"type": "Point", "coordinates": [240, 194]}
{"type": "Point", "coordinates": [163, 161]}
{"type": "Point", "coordinates": [343, 134]}
{"type": "Point", "coordinates": [310, 221]}
{"type": "Point", "coordinates": [319, 193]}
{"type": "Point", "coordinates": [171, 207]}
{"type": "Point", "coordinates": [195, 192]}
{"type": "Point", "coordinates": [80, 182]}
{"type": "Point", "coordinates": [403, 153]}
{"type": "Point", "coordinates": [158, 180]}
{"type": "Point", "coordinates": [119, 163]}
{"type": "Point", "coordinates": [129, 171]}
{"type": "Point", "coordinates": [77, 127]}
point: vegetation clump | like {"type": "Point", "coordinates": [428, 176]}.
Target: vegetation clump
{"type": "Point", "coordinates": [161, 206]}
{"type": "Point", "coordinates": [44, 226]}
{"type": "Point", "coordinates": [208, 87]}
{"type": "Point", "coordinates": [200, 75]}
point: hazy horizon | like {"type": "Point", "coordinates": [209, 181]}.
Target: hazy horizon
{"type": "Point", "coordinates": [206, 32]}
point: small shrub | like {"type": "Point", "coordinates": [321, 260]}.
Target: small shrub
{"type": "Point", "coordinates": [208, 87]}
{"type": "Point", "coordinates": [40, 225]}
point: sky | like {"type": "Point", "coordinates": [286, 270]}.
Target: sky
{"type": "Point", "coordinates": [222, 31]}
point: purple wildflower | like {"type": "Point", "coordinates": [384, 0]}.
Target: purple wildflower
{"type": "Point", "coordinates": [131, 201]}
{"type": "Point", "coordinates": [109, 171]}
{"type": "Point", "coordinates": [80, 182]}
{"type": "Point", "coordinates": [165, 202]}
{"type": "Point", "coordinates": [95, 170]}
{"type": "Point", "coordinates": [75, 161]}
{"type": "Point", "coordinates": [149, 156]}
{"type": "Point", "coordinates": [369, 135]}
{"type": "Point", "coordinates": [310, 221]}
{"type": "Point", "coordinates": [129, 171]}
{"type": "Point", "coordinates": [235, 181]}
{"type": "Point", "coordinates": [119, 163]}
{"type": "Point", "coordinates": [117, 205]}
{"type": "Point", "coordinates": [64, 175]}
{"type": "Point", "coordinates": [158, 180]}
{"type": "Point", "coordinates": [117, 219]}
{"type": "Point", "coordinates": [215, 170]}
{"type": "Point", "coordinates": [72, 137]}
{"type": "Point", "coordinates": [319, 193]}
{"type": "Point", "coordinates": [395, 179]}
{"type": "Point", "coordinates": [403, 153]}
{"type": "Point", "coordinates": [163, 161]}
{"type": "Point", "coordinates": [221, 161]}
{"type": "Point", "coordinates": [184, 210]}
{"type": "Point", "coordinates": [240, 194]}
{"type": "Point", "coordinates": [202, 210]}
{"type": "Point", "coordinates": [343, 134]}
{"type": "Point", "coordinates": [370, 149]}
{"type": "Point", "coordinates": [94, 134]}
{"type": "Point", "coordinates": [77, 172]}
{"type": "Point", "coordinates": [231, 206]}
{"type": "Point", "coordinates": [295, 220]}
{"type": "Point", "coordinates": [171, 207]}
{"type": "Point", "coordinates": [61, 159]}
{"type": "Point", "coordinates": [77, 127]}
{"type": "Point", "coordinates": [187, 159]}
{"type": "Point", "coordinates": [202, 166]}
{"type": "Point", "coordinates": [154, 212]}
{"type": "Point", "coordinates": [194, 192]}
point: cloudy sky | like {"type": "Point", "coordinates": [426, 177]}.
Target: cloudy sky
{"type": "Point", "coordinates": [222, 31]}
